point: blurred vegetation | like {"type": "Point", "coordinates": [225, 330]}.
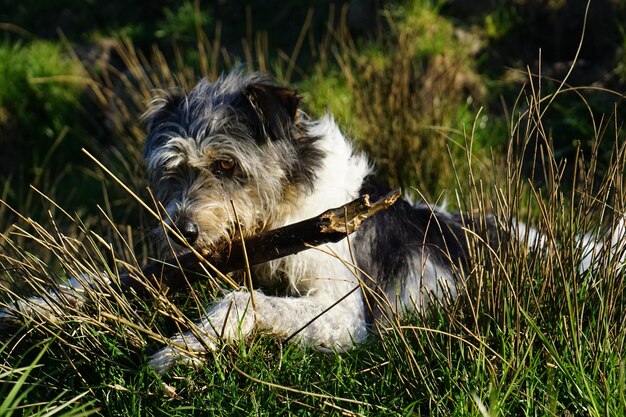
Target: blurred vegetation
{"type": "Point", "coordinates": [36, 104]}
{"type": "Point", "coordinates": [407, 78]}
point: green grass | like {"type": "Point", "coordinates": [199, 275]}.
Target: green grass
{"type": "Point", "coordinates": [36, 80]}
{"type": "Point", "coordinates": [406, 96]}
{"type": "Point", "coordinates": [15, 389]}
{"type": "Point", "coordinates": [529, 335]}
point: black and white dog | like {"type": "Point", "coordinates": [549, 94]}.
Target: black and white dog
{"type": "Point", "coordinates": [243, 139]}
{"type": "Point", "coordinates": [242, 142]}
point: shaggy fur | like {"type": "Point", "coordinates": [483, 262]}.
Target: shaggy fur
{"type": "Point", "coordinates": [243, 139]}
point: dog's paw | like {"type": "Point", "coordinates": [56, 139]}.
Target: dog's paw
{"type": "Point", "coordinates": [229, 319]}
{"type": "Point", "coordinates": [188, 349]}
{"type": "Point", "coordinates": [50, 306]}
{"type": "Point", "coordinates": [166, 358]}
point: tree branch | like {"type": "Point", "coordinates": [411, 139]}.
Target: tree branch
{"type": "Point", "coordinates": [187, 268]}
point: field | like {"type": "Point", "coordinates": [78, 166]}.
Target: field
{"type": "Point", "coordinates": [514, 110]}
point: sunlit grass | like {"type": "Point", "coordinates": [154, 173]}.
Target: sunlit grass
{"type": "Point", "coordinates": [530, 334]}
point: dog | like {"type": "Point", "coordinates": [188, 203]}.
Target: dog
{"type": "Point", "coordinates": [239, 152]}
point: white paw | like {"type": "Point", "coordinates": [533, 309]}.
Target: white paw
{"type": "Point", "coordinates": [56, 303]}
{"type": "Point", "coordinates": [32, 308]}
{"type": "Point", "coordinates": [166, 358]}
{"type": "Point", "coordinates": [229, 319]}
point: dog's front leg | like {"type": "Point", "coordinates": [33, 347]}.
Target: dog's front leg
{"type": "Point", "coordinates": [56, 303]}
{"type": "Point", "coordinates": [228, 319]}
{"type": "Point", "coordinates": [308, 320]}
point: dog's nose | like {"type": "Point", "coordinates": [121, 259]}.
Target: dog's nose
{"type": "Point", "coordinates": [188, 229]}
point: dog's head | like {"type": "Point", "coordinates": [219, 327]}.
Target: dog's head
{"type": "Point", "coordinates": [235, 145]}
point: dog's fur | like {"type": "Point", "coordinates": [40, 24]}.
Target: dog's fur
{"type": "Point", "coordinates": [242, 142]}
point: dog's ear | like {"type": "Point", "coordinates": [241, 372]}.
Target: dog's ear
{"type": "Point", "coordinates": [163, 109]}
{"type": "Point", "coordinates": [276, 108]}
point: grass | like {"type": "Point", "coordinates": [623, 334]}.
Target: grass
{"type": "Point", "coordinates": [391, 88]}
{"type": "Point", "coordinates": [23, 93]}
{"type": "Point", "coordinates": [529, 335]}
{"type": "Point", "coordinates": [16, 389]}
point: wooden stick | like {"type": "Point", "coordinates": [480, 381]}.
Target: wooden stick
{"type": "Point", "coordinates": [186, 268]}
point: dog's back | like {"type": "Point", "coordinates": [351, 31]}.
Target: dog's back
{"type": "Point", "coordinates": [416, 254]}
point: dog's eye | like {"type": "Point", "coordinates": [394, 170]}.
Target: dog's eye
{"type": "Point", "coordinates": [224, 166]}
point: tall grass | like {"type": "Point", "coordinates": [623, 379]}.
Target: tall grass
{"type": "Point", "coordinates": [530, 334]}
{"type": "Point", "coordinates": [406, 95]}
